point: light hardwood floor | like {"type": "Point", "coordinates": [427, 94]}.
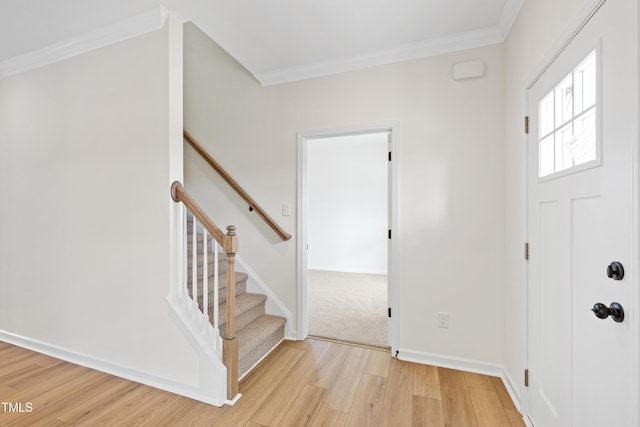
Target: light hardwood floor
{"type": "Point", "coordinates": [305, 383]}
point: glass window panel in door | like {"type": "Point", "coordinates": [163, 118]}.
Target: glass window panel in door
{"type": "Point", "coordinates": [545, 114]}
{"type": "Point", "coordinates": [564, 101]}
{"type": "Point", "coordinates": [583, 147]}
{"type": "Point", "coordinates": [546, 158]}
{"type": "Point", "coordinates": [564, 160]}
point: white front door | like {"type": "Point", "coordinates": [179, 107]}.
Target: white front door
{"type": "Point", "coordinates": [581, 218]}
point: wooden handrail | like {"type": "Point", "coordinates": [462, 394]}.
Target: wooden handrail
{"type": "Point", "coordinates": [229, 243]}
{"type": "Point", "coordinates": [178, 194]}
{"type": "Point", "coordinates": [237, 188]}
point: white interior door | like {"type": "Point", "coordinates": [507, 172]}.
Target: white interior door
{"type": "Point", "coordinates": [583, 128]}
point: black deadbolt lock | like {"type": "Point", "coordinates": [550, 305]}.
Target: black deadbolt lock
{"type": "Point", "coordinates": [615, 271]}
{"type": "Point", "coordinates": [615, 311]}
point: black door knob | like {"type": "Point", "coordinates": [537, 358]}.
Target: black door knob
{"type": "Point", "coordinates": [601, 311]}
{"type": "Point", "coordinates": [615, 310]}
{"type": "Point", "coordinates": [615, 271]}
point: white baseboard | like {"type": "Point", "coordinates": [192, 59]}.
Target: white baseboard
{"type": "Point", "coordinates": [516, 396]}
{"type": "Point", "coordinates": [108, 367]}
{"type": "Point", "coordinates": [512, 389]}
{"type": "Point", "coordinates": [234, 400]}
{"type": "Point", "coordinates": [469, 365]}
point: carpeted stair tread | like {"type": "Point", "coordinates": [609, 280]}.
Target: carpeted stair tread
{"type": "Point", "coordinates": [249, 307]}
{"type": "Point", "coordinates": [244, 303]}
{"type": "Point", "coordinates": [241, 287]}
{"type": "Point", "coordinates": [239, 276]}
{"type": "Point", "coordinates": [211, 246]}
{"type": "Point", "coordinates": [199, 237]}
{"type": "Point", "coordinates": [222, 264]}
{"type": "Point", "coordinates": [199, 244]}
{"type": "Point", "coordinates": [251, 335]}
{"type": "Point", "coordinates": [222, 278]}
{"type": "Point", "coordinates": [257, 339]}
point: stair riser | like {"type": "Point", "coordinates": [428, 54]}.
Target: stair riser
{"type": "Point", "coordinates": [222, 263]}
{"type": "Point", "coordinates": [222, 279]}
{"type": "Point", "coordinates": [199, 247]}
{"type": "Point", "coordinates": [243, 319]}
{"type": "Point", "coordinates": [241, 288]}
{"type": "Point", "coordinates": [222, 268]}
{"type": "Point", "coordinates": [250, 359]}
{"type": "Point", "coordinates": [222, 257]}
{"type": "Point", "coordinates": [200, 233]}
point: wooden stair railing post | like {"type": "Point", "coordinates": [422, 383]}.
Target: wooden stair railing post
{"type": "Point", "coordinates": [230, 341]}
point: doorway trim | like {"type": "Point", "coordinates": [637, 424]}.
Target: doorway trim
{"type": "Point", "coordinates": [302, 262]}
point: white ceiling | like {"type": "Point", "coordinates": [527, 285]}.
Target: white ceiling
{"type": "Point", "coordinates": [280, 40]}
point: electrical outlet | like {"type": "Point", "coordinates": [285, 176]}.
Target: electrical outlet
{"type": "Point", "coordinates": [443, 320]}
{"type": "Point", "coordinates": [286, 209]}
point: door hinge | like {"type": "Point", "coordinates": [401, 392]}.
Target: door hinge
{"type": "Point", "coordinates": [389, 234]}
{"type": "Point", "coordinates": [389, 155]}
{"type": "Point", "coordinates": [389, 311]}
{"type": "Point", "coordinates": [526, 251]}
{"type": "Point", "coordinates": [526, 378]}
{"type": "Point", "coordinates": [526, 124]}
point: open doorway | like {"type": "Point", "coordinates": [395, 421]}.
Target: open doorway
{"type": "Point", "coordinates": [346, 221]}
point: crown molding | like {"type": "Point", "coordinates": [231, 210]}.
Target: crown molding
{"type": "Point", "coordinates": [452, 43]}
{"type": "Point", "coordinates": [508, 16]}
{"type": "Point", "coordinates": [151, 20]}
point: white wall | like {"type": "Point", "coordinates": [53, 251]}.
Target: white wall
{"type": "Point", "coordinates": [347, 186]}
{"type": "Point", "coordinates": [450, 173]}
{"type": "Point", "coordinates": [538, 27]}
{"type": "Point", "coordinates": [85, 215]}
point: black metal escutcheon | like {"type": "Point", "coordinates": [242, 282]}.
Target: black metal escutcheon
{"type": "Point", "coordinates": [615, 271]}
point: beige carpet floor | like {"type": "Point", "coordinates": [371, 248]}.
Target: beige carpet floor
{"type": "Point", "coordinates": [348, 307]}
